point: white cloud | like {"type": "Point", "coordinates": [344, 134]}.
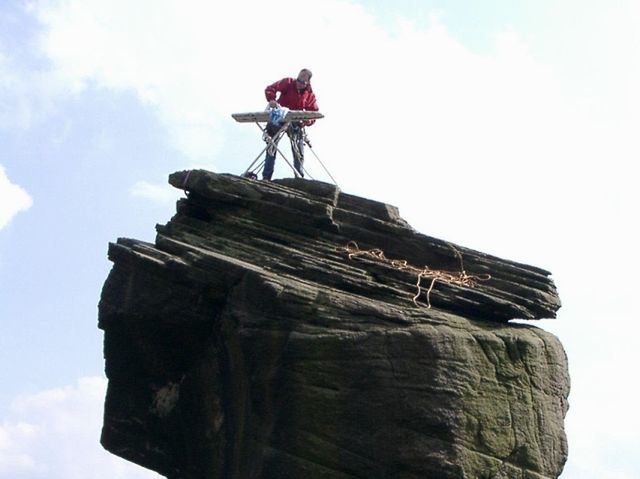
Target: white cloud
{"type": "Point", "coordinates": [413, 111]}
{"type": "Point", "coordinates": [55, 433]}
{"type": "Point", "coordinates": [158, 193]}
{"type": "Point", "coordinates": [174, 55]}
{"type": "Point", "coordinates": [15, 109]}
{"type": "Point", "coordinates": [403, 108]}
{"type": "Point", "coordinates": [27, 94]}
{"type": "Point", "coordinates": [603, 422]}
{"type": "Point", "coordinates": [13, 438]}
{"type": "Point", "coordinates": [13, 199]}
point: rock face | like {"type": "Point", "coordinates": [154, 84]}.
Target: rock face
{"type": "Point", "coordinates": [264, 336]}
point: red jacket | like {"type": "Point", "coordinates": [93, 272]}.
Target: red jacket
{"type": "Point", "coordinates": [291, 98]}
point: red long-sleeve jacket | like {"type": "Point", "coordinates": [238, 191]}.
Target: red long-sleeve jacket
{"type": "Point", "coordinates": [291, 98]}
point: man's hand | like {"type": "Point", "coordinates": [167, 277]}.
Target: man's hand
{"type": "Point", "coordinates": [273, 104]}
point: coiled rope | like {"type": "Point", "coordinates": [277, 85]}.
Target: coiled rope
{"type": "Point", "coordinates": [376, 254]}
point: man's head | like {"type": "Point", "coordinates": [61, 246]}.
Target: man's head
{"type": "Point", "coordinates": [304, 77]}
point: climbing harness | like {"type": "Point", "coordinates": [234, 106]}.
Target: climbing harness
{"type": "Point", "coordinates": [460, 279]}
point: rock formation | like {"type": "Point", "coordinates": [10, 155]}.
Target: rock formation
{"type": "Point", "coordinates": [277, 330]}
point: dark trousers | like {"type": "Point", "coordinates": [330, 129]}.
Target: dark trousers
{"type": "Point", "coordinates": [296, 135]}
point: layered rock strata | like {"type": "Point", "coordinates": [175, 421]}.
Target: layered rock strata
{"type": "Point", "coordinates": [270, 332]}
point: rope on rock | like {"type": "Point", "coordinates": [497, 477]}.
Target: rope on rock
{"type": "Point", "coordinates": [376, 254]}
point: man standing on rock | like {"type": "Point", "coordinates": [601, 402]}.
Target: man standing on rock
{"type": "Point", "coordinates": [295, 94]}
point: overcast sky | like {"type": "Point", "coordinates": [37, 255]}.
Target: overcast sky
{"type": "Point", "coordinates": [507, 127]}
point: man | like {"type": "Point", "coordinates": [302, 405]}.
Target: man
{"type": "Point", "coordinates": [295, 94]}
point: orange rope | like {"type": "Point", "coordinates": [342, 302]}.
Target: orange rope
{"type": "Point", "coordinates": [376, 254]}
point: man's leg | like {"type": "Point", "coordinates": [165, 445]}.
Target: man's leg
{"type": "Point", "coordinates": [297, 148]}
{"type": "Point", "coordinates": [270, 157]}
{"type": "Point", "coordinates": [269, 162]}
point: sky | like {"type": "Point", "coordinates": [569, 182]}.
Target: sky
{"type": "Point", "coordinates": [506, 127]}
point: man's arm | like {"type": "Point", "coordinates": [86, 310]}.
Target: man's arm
{"type": "Point", "coordinates": [311, 105]}
{"type": "Point", "coordinates": [271, 90]}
